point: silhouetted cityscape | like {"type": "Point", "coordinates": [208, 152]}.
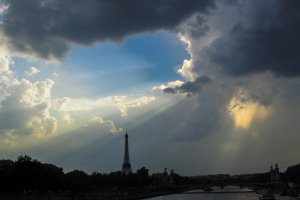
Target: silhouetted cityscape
{"type": "Point", "coordinates": [28, 178]}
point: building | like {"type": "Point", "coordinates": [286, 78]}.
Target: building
{"type": "Point", "coordinates": [126, 167]}
{"type": "Point", "coordinates": [164, 179]}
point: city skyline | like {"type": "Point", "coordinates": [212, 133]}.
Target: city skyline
{"type": "Point", "coordinates": [203, 87]}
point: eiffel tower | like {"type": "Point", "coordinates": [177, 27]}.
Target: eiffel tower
{"type": "Point", "coordinates": [126, 167]}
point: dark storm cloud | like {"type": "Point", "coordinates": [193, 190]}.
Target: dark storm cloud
{"type": "Point", "coordinates": [268, 40]}
{"type": "Point", "coordinates": [190, 87]}
{"type": "Point", "coordinates": [46, 27]}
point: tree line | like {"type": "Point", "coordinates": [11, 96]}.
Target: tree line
{"type": "Point", "coordinates": [27, 174]}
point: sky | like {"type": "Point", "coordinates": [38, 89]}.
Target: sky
{"type": "Point", "coordinates": [202, 87]}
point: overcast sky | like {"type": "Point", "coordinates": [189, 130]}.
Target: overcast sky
{"type": "Point", "coordinates": [203, 87]}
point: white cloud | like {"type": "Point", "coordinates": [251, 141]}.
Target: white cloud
{"type": "Point", "coordinates": [42, 125]}
{"type": "Point", "coordinates": [67, 119]}
{"type": "Point", "coordinates": [35, 93]}
{"type": "Point", "coordinates": [186, 70]}
{"type": "Point", "coordinates": [7, 79]}
{"type": "Point", "coordinates": [171, 84]}
{"type": "Point", "coordinates": [24, 105]}
{"type": "Point", "coordinates": [3, 7]}
{"type": "Point", "coordinates": [55, 74]}
{"type": "Point", "coordinates": [32, 71]}
{"type": "Point", "coordinates": [4, 63]}
{"type": "Point", "coordinates": [99, 120]}
{"type": "Point", "coordinates": [67, 104]}
{"type": "Point", "coordinates": [124, 103]}
{"type": "Point", "coordinates": [6, 75]}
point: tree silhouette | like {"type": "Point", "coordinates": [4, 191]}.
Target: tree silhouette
{"type": "Point", "coordinates": [293, 174]}
{"type": "Point", "coordinates": [28, 173]}
{"type": "Point", "coordinates": [77, 181]}
{"type": "Point", "coordinates": [142, 176]}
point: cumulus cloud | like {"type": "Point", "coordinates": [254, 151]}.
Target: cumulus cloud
{"type": "Point", "coordinates": [6, 75]}
{"type": "Point", "coordinates": [66, 104]}
{"type": "Point", "coordinates": [55, 75]}
{"type": "Point", "coordinates": [124, 103]}
{"type": "Point", "coordinates": [45, 28]}
{"type": "Point", "coordinates": [4, 63]}
{"type": "Point", "coordinates": [28, 111]}
{"type": "Point", "coordinates": [26, 108]}
{"type": "Point", "coordinates": [3, 7]}
{"type": "Point", "coordinates": [112, 128]}
{"type": "Point", "coordinates": [32, 71]}
{"type": "Point", "coordinates": [171, 84]}
{"type": "Point", "coordinates": [67, 119]}
{"type": "Point", "coordinates": [186, 70]}
{"type": "Point", "coordinates": [189, 87]}
{"type": "Point", "coordinates": [24, 105]}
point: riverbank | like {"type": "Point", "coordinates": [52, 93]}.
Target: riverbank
{"type": "Point", "coordinates": [103, 195]}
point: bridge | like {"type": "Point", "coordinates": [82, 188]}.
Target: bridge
{"type": "Point", "coordinates": [243, 188]}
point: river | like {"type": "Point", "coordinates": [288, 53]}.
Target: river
{"type": "Point", "coordinates": [217, 194]}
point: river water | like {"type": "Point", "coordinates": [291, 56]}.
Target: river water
{"type": "Point", "coordinates": [216, 196]}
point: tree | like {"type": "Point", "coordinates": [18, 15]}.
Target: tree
{"type": "Point", "coordinates": [28, 173]}
{"type": "Point", "coordinates": [24, 159]}
{"type": "Point", "coordinates": [142, 177]}
{"type": "Point", "coordinates": [293, 173]}
{"type": "Point", "coordinates": [77, 181]}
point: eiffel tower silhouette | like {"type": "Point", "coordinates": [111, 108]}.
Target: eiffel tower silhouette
{"type": "Point", "coordinates": [126, 167]}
